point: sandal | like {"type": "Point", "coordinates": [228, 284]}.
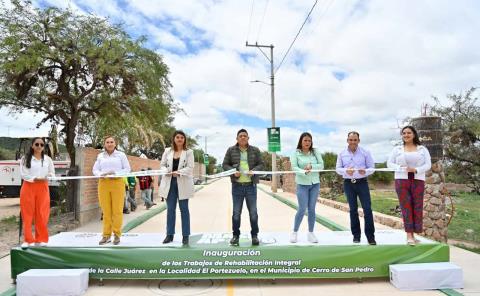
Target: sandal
{"type": "Point", "coordinates": [411, 242]}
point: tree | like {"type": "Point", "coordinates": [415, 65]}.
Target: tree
{"type": "Point", "coordinates": [212, 164]}
{"type": "Point", "coordinates": [461, 124]}
{"type": "Point", "coordinates": [331, 179]}
{"type": "Point", "coordinates": [267, 161]}
{"type": "Point", "coordinates": [75, 69]}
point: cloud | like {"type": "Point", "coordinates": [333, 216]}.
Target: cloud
{"type": "Point", "coordinates": [361, 65]}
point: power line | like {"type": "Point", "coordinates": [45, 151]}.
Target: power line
{"type": "Point", "coordinates": [319, 19]}
{"type": "Point", "coordinates": [250, 20]}
{"type": "Point", "coordinates": [263, 18]}
{"type": "Point", "coordinates": [296, 36]}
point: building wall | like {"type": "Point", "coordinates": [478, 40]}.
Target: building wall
{"type": "Point", "coordinates": [87, 197]}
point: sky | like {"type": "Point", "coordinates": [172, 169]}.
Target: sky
{"type": "Point", "coordinates": [356, 65]}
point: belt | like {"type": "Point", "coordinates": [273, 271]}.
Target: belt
{"type": "Point", "coordinates": [353, 180]}
{"type": "Point", "coordinates": [244, 184]}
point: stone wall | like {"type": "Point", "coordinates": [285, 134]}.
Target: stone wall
{"type": "Point", "coordinates": [434, 211]}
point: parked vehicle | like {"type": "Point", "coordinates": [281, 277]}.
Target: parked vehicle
{"type": "Point", "coordinates": [10, 179]}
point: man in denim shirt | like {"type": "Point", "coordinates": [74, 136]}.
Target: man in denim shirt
{"type": "Point", "coordinates": [245, 159]}
{"type": "Point", "coordinates": [355, 164]}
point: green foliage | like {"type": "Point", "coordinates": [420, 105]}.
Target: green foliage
{"type": "Point", "coordinates": [11, 220]}
{"type": "Point", "coordinates": [84, 74]}
{"type": "Point", "coordinates": [381, 177]}
{"type": "Point", "coordinates": [6, 154]}
{"type": "Point", "coordinates": [212, 164]}
{"type": "Point", "coordinates": [9, 143]}
{"type": "Point", "coordinates": [461, 123]}
{"type": "Point", "coordinates": [331, 179]}
{"type": "Point", "coordinates": [267, 161]}
{"type": "Point", "coordinates": [464, 224]}
{"type": "Point", "coordinates": [329, 160]}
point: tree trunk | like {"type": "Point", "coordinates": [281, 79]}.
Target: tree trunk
{"type": "Point", "coordinates": [70, 127]}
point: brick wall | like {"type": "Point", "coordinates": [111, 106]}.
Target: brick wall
{"type": "Point", "coordinates": [87, 201]}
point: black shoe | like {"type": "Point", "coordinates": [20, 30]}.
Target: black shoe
{"type": "Point", "coordinates": [149, 206]}
{"type": "Point", "coordinates": [154, 204]}
{"type": "Point", "coordinates": [356, 240]}
{"type": "Point", "coordinates": [168, 239]}
{"type": "Point", "coordinates": [185, 240]}
{"type": "Point", "coordinates": [126, 212]}
{"type": "Point", "coordinates": [234, 241]}
{"type": "Point", "coordinates": [255, 241]}
{"type": "Point", "coordinates": [372, 242]}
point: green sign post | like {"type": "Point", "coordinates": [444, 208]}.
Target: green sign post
{"type": "Point", "coordinates": [274, 139]}
{"type": "Point", "coordinates": [205, 159]}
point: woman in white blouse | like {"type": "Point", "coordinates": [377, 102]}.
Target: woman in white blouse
{"type": "Point", "coordinates": [111, 189]}
{"type": "Point", "coordinates": [177, 185]}
{"type": "Point", "coordinates": [34, 195]}
{"type": "Point", "coordinates": [412, 161]}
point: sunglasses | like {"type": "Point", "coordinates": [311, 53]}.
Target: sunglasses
{"type": "Point", "coordinates": [39, 144]}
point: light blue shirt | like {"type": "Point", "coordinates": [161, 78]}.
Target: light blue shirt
{"type": "Point", "coordinates": [299, 160]}
{"type": "Point", "coordinates": [360, 159]}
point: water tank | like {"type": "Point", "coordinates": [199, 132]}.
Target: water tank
{"type": "Point", "coordinates": [429, 130]}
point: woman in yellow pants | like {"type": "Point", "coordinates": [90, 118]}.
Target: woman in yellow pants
{"type": "Point", "coordinates": [111, 189]}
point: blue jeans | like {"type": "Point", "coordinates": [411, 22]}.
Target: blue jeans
{"type": "Point", "coordinates": [171, 210]}
{"type": "Point", "coordinates": [145, 194]}
{"type": "Point", "coordinates": [249, 194]}
{"type": "Point", "coordinates": [307, 196]}
{"type": "Point", "coordinates": [360, 189]}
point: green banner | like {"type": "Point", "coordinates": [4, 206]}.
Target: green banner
{"type": "Point", "coordinates": [273, 139]}
{"type": "Point", "coordinates": [216, 260]}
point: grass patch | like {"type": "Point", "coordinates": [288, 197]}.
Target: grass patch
{"type": "Point", "coordinates": [382, 201]}
{"type": "Point", "coordinates": [465, 222]}
{"type": "Point", "coordinates": [11, 220]}
{"type": "Point", "coordinates": [9, 223]}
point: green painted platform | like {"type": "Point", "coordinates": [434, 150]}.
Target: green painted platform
{"type": "Point", "coordinates": [143, 256]}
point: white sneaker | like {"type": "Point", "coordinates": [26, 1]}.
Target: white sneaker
{"type": "Point", "coordinates": [293, 237]}
{"type": "Point", "coordinates": [312, 238]}
{"type": "Point", "coordinates": [42, 244]}
{"type": "Point", "coordinates": [24, 245]}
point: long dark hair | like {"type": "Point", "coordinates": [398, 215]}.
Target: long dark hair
{"type": "Point", "coordinates": [303, 135]}
{"type": "Point", "coordinates": [416, 139]}
{"type": "Point", "coordinates": [173, 140]}
{"type": "Point", "coordinates": [29, 155]}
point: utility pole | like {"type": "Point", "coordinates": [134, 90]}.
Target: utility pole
{"type": "Point", "coordinates": [272, 94]}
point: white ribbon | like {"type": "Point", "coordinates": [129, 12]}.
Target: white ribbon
{"type": "Point", "coordinates": [132, 174]}
{"type": "Point", "coordinates": [215, 176]}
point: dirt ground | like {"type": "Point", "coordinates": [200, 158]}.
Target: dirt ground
{"type": "Point", "coordinates": [9, 223]}
{"type": "Point", "coordinates": [9, 207]}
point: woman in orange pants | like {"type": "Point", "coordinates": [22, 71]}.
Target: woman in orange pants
{"type": "Point", "coordinates": [34, 195]}
{"type": "Point", "coordinates": [111, 189]}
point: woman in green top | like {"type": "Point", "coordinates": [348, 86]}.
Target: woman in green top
{"type": "Point", "coordinates": [303, 160]}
